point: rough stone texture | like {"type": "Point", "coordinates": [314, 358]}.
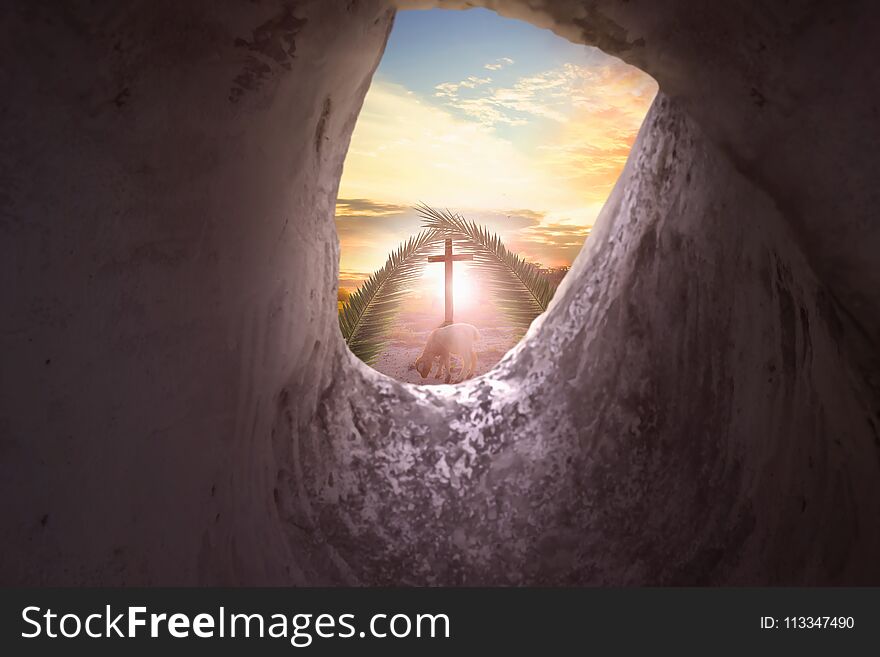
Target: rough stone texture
{"type": "Point", "coordinates": [699, 405]}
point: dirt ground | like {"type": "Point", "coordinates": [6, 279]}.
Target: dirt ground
{"type": "Point", "coordinates": [409, 337]}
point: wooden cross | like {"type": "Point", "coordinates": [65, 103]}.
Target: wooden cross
{"type": "Point", "coordinates": [448, 258]}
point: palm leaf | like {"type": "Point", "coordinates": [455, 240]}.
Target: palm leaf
{"type": "Point", "coordinates": [519, 288]}
{"type": "Point", "coordinates": [367, 317]}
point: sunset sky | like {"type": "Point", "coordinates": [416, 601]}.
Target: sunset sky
{"type": "Point", "coordinates": [506, 123]}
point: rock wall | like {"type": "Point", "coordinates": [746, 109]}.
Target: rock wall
{"type": "Point", "coordinates": [177, 407]}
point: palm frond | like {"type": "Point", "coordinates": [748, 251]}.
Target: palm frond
{"type": "Point", "coordinates": [520, 290]}
{"type": "Point", "coordinates": [367, 317]}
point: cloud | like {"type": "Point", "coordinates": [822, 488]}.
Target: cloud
{"type": "Point", "coordinates": [352, 279]}
{"type": "Point", "coordinates": [590, 153]}
{"type": "Point", "coordinates": [551, 244]}
{"type": "Point", "coordinates": [486, 112]}
{"type": "Point", "coordinates": [450, 89]}
{"type": "Point", "coordinates": [530, 214]}
{"type": "Point", "coordinates": [524, 218]}
{"type": "Point", "coordinates": [505, 222]}
{"type": "Point", "coordinates": [447, 89]}
{"type": "Point", "coordinates": [542, 95]}
{"type": "Point", "coordinates": [472, 82]}
{"type": "Point", "coordinates": [555, 95]}
{"type": "Point", "coordinates": [559, 234]}
{"type": "Point", "coordinates": [372, 231]}
{"type": "Point", "coordinates": [362, 207]}
{"type": "Point", "coordinates": [499, 64]}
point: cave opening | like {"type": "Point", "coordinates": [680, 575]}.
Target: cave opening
{"type": "Point", "coordinates": [487, 145]}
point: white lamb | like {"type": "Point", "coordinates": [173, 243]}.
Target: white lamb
{"type": "Point", "coordinates": [455, 339]}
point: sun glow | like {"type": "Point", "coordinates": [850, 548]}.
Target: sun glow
{"type": "Point", "coordinates": [432, 285]}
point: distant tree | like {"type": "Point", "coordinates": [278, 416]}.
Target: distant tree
{"type": "Point", "coordinates": [556, 274]}
{"type": "Point", "coordinates": [342, 297]}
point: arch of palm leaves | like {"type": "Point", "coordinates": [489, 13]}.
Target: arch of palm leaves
{"type": "Point", "coordinates": [698, 405]}
{"type": "Point", "coordinates": [520, 291]}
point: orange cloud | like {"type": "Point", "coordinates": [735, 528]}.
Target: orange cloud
{"type": "Point", "coordinates": [361, 207]}
{"type": "Point", "coordinates": [551, 244]}
{"type": "Point", "coordinates": [351, 279]}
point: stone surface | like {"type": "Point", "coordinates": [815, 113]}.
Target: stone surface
{"type": "Point", "coordinates": [698, 406]}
